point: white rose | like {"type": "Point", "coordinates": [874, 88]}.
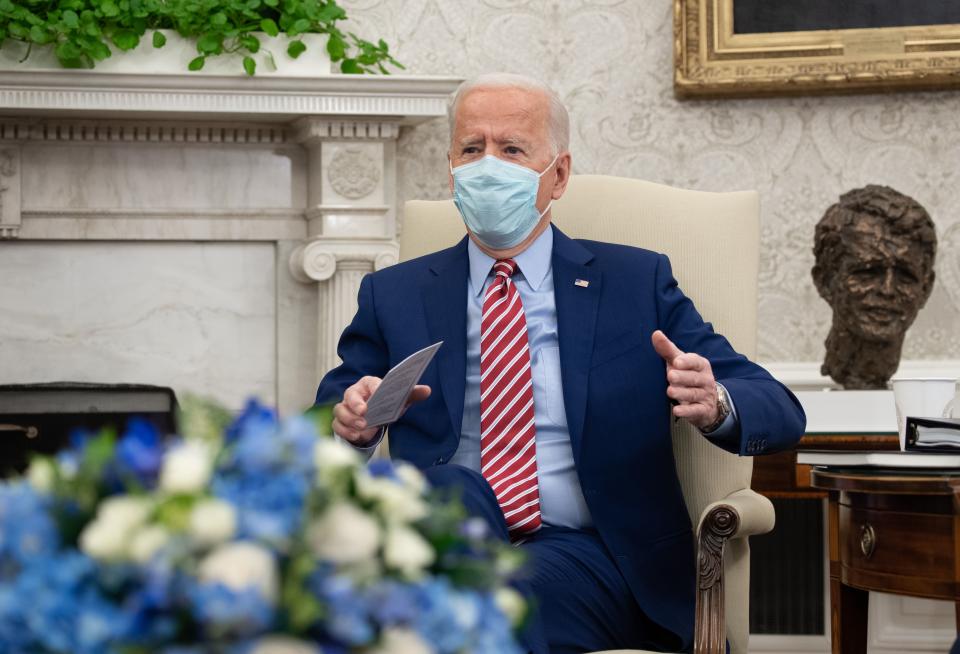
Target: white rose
{"type": "Point", "coordinates": [212, 521]}
{"type": "Point", "coordinates": [283, 645]}
{"type": "Point", "coordinates": [241, 565]}
{"type": "Point", "coordinates": [124, 512]}
{"type": "Point", "coordinates": [186, 468]}
{"type": "Point", "coordinates": [397, 640]}
{"type": "Point", "coordinates": [329, 454]}
{"type": "Point", "coordinates": [147, 541]}
{"type": "Point", "coordinates": [407, 551]}
{"type": "Point", "coordinates": [102, 543]}
{"type": "Point", "coordinates": [41, 475]}
{"type": "Point", "coordinates": [397, 502]}
{"type": "Point", "coordinates": [511, 603]}
{"type": "Point", "coordinates": [411, 477]}
{"type": "Point", "coordinates": [344, 534]}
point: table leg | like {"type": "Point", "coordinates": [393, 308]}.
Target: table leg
{"type": "Point", "coordinates": [848, 606]}
{"type": "Point", "coordinates": [848, 613]}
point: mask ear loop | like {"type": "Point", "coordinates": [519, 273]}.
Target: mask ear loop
{"type": "Point", "coordinates": [549, 166]}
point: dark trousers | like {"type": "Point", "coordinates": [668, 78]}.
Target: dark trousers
{"type": "Point", "coordinates": [582, 602]}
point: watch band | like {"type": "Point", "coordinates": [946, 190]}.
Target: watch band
{"type": "Point", "coordinates": [723, 410]}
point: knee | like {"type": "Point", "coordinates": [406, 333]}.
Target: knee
{"type": "Point", "coordinates": [472, 490]}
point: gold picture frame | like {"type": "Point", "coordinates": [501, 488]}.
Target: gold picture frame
{"type": "Point", "coordinates": [710, 60]}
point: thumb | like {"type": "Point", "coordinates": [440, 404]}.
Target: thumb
{"type": "Point", "coordinates": [368, 386]}
{"type": "Point", "coordinates": [419, 393]}
{"type": "Point", "coordinates": [664, 346]}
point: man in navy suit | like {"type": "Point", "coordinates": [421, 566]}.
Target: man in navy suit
{"type": "Point", "coordinates": [610, 343]}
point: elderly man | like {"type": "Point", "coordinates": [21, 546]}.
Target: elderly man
{"type": "Point", "coordinates": [550, 401]}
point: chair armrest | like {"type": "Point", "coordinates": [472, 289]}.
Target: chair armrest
{"type": "Point", "coordinates": [740, 514]}
{"type": "Point", "coordinates": [752, 511]}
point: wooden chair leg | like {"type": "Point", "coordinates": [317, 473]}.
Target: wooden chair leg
{"type": "Point", "coordinates": [710, 628]}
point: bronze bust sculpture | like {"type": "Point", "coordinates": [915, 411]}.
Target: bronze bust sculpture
{"type": "Point", "coordinates": [874, 252]}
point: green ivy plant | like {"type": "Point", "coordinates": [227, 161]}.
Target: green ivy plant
{"type": "Point", "coordinates": [79, 30]}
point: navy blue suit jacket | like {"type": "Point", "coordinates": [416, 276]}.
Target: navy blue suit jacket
{"type": "Point", "coordinates": [614, 389]}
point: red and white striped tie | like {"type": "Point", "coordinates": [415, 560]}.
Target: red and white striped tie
{"type": "Point", "coordinates": [508, 450]}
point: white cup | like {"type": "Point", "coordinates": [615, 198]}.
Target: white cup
{"type": "Point", "coordinates": [921, 397]}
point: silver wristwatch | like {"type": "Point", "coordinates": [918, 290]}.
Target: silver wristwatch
{"type": "Point", "coordinates": [723, 407]}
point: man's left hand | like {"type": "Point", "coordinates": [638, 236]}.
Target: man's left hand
{"type": "Point", "coordinates": [690, 383]}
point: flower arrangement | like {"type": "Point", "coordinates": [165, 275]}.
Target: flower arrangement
{"type": "Point", "coordinates": [255, 537]}
{"type": "Point", "coordinates": [82, 31]}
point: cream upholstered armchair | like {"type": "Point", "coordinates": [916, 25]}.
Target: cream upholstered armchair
{"type": "Point", "coordinates": [712, 240]}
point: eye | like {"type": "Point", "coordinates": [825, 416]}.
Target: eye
{"type": "Point", "coordinates": [906, 275]}
{"type": "Point", "coordinates": [470, 149]}
{"type": "Point", "coordinates": [513, 150]}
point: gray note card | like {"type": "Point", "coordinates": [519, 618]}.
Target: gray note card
{"type": "Point", "coordinates": [387, 402]}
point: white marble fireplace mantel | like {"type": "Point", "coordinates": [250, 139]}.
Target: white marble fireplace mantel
{"type": "Point", "coordinates": [207, 233]}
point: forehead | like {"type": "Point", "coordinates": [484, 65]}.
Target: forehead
{"type": "Point", "coordinates": [871, 238]}
{"type": "Point", "coordinates": [496, 110]}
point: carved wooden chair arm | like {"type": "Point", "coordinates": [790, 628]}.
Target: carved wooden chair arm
{"type": "Point", "coordinates": [742, 513]}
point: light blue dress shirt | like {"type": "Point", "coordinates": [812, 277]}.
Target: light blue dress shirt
{"type": "Point", "coordinates": [561, 499]}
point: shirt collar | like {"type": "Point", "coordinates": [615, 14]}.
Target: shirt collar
{"type": "Point", "coordinates": [534, 262]}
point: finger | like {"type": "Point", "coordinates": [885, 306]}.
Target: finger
{"type": "Point", "coordinates": [346, 433]}
{"type": "Point", "coordinates": [419, 393]}
{"type": "Point", "coordinates": [690, 361]}
{"type": "Point", "coordinates": [688, 378]}
{"type": "Point", "coordinates": [342, 413]}
{"type": "Point", "coordinates": [357, 395]}
{"type": "Point", "coordinates": [664, 346]}
{"type": "Point", "coordinates": [686, 395]}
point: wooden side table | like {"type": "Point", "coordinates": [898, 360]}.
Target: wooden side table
{"type": "Point", "coordinates": [888, 532]}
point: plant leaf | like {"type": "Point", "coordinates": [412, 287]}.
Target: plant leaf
{"type": "Point", "coordinates": [197, 63]}
{"type": "Point", "coordinates": [125, 39]}
{"type": "Point", "coordinates": [70, 19]}
{"type": "Point", "coordinates": [249, 65]}
{"type": "Point", "coordinates": [210, 43]}
{"type": "Point", "coordinates": [335, 47]}
{"type": "Point", "coordinates": [159, 39]}
{"type": "Point", "coordinates": [350, 66]}
{"type": "Point", "coordinates": [109, 8]}
{"type": "Point", "coordinates": [250, 42]}
{"type": "Point", "coordinates": [269, 26]}
{"type": "Point", "coordinates": [295, 49]}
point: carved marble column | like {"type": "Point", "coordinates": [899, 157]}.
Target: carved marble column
{"type": "Point", "coordinates": [351, 215]}
{"type": "Point", "coordinates": [9, 192]}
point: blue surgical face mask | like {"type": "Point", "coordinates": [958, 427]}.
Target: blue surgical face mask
{"type": "Point", "coordinates": [498, 200]}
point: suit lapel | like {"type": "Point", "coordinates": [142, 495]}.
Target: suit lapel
{"type": "Point", "coordinates": [577, 293]}
{"type": "Point", "coordinates": [445, 306]}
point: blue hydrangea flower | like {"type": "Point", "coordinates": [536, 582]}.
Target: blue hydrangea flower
{"type": "Point", "coordinates": [269, 506]}
{"type": "Point", "coordinates": [139, 453]}
{"type": "Point", "coordinates": [59, 608]}
{"type": "Point", "coordinates": [225, 612]}
{"type": "Point", "coordinates": [255, 418]}
{"type": "Point", "coordinates": [382, 468]}
{"type": "Point", "coordinates": [27, 530]}
{"type": "Point", "coordinates": [348, 618]}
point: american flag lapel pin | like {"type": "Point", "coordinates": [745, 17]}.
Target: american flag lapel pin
{"type": "Point", "coordinates": [582, 283]}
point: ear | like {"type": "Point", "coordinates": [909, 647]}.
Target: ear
{"type": "Point", "coordinates": [823, 288]}
{"type": "Point", "coordinates": [564, 163]}
{"type": "Point", "coordinates": [928, 287]}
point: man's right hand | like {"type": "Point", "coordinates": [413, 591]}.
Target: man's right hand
{"type": "Point", "coordinates": [348, 415]}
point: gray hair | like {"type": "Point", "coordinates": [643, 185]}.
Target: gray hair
{"type": "Point", "coordinates": [558, 126]}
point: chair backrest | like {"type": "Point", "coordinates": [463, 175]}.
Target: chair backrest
{"type": "Point", "coordinates": [713, 241]}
